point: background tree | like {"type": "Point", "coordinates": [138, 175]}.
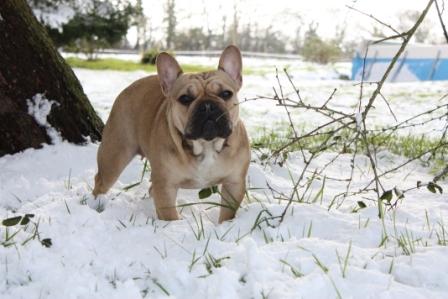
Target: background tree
{"type": "Point", "coordinates": [171, 22]}
{"type": "Point", "coordinates": [30, 65]}
{"type": "Point", "coordinates": [234, 27]}
{"type": "Point", "coordinates": [208, 30]}
{"type": "Point", "coordinates": [192, 39]}
{"type": "Point", "coordinates": [297, 38]}
{"type": "Point", "coordinates": [96, 25]}
{"type": "Point", "coordinates": [141, 22]}
{"type": "Point", "coordinates": [222, 40]}
{"type": "Point", "coordinates": [317, 49]}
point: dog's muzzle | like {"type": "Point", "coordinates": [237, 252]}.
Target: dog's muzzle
{"type": "Point", "coordinates": [208, 121]}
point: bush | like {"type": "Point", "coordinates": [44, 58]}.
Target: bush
{"type": "Point", "coordinates": [149, 57]}
{"type": "Point", "coordinates": [318, 50]}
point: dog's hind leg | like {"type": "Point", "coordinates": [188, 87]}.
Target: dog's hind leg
{"type": "Point", "coordinates": [112, 158]}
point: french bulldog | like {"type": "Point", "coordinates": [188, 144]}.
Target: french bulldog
{"type": "Point", "coordinates": [189, 129]}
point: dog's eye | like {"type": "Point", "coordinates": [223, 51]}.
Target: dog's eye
{"type": "Point", "coordinates": [225, 94]}
{"type": "Point", "coordinates": [185, 99]}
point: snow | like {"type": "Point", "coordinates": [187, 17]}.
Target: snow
{"type": "Point", "coordinates": [39, 108]}
{"type": "Point", "coordinates": [316, 252]}
{"type": "Point", "coordinates": [54, 17]}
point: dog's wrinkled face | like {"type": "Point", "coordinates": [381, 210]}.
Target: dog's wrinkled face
{"type": "Point", "coordinates": [204, 105]}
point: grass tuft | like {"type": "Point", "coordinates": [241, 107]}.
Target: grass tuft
{"type": "Point", "coordinates": [409, 146]}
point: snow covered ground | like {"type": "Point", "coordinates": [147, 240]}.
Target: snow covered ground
{"type": "Point", "coordinates": [124, 252]}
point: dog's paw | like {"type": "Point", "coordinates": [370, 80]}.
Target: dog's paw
{"type": "Point", "coordinates": [98, 203]}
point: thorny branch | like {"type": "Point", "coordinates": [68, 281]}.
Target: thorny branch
{"type": "Point", "coordinates": [349, 133]}
{"type": "Point", "coordinates": [439, 13]}
{"type": "Point", "coordinates": [375, 19]}
{"type": "Point", "coordinates": [405, 42]}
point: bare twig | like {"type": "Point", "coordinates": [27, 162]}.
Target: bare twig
{"type": "Point", "coordinates": [406, 40]}
{"type": "Point", "coordinates": [439, 13]}
{"type": "Point", "coordinates": [374, 18]}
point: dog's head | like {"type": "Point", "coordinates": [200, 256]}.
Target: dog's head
{"type": "Point", "coordinates": [204, 105]}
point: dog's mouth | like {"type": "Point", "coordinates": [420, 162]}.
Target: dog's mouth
{"type": "Point", "coordinates": [208, 121]}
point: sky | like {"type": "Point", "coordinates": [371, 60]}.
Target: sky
{"type": "Point", "coordinates": [285, 15]}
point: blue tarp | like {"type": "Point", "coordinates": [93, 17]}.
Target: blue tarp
{"type": "Point", "coordinates": [405, 69]}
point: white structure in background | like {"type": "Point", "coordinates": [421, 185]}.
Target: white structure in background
{"type": "Point", "coordinates": [418, 62]}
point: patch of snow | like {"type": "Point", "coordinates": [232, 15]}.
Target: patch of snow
{"type": "Point", "coordinates": [125, 252]}
{"type": "Point", "coordinates": [54, 17]}
{"type": "Point", "coordinates": [98, 203]}
{"type": "Point", "coordinates": [39, 108]}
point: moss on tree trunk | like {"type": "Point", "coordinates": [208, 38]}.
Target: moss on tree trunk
{"type": "Point", "coordinates": [30, 64]}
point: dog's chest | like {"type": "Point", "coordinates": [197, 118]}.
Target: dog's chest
{"type": "Point", "coordinates": [207, 170]}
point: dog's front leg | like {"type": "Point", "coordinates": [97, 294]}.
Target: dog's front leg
{"type": "Point", "coordinates": [165, 201]}
{"type": "Point", "coordinates": [232, 195]}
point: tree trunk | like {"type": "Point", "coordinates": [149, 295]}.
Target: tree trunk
{"type": "Point", "coordinates": [30, 64]}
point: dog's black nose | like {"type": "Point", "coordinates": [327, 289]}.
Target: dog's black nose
{"type": "Point", "coordinates": [208, 107]}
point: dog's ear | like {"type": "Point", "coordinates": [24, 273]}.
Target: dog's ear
{"type": "Point", "coordinates": [168, 70]}
{"type": "Point", "coordinates": [231, 63]}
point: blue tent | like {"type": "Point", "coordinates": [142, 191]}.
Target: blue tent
{"type": "Point", "coordinates": [417, 63]}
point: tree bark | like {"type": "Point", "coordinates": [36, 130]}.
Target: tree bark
{"type": "Point", "coordinates": [30, 64]}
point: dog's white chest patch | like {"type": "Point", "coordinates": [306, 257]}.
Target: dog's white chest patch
{"type": "Point", "coordinates": [207, 153]}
